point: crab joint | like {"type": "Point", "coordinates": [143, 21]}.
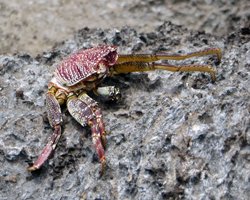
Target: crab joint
{"type": "Point", "coordinates": [61, 96]}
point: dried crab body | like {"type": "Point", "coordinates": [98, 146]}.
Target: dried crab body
{"type": "Point", "coordinates": [83, 71]}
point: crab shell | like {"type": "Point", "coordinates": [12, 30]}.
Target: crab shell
{"type": "Point", "coordinates": [86, 64]}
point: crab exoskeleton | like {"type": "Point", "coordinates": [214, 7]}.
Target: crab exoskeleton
{"type": "Point", "coordinates": [84, 71]}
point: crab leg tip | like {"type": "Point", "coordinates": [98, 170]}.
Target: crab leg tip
{"type": "Point", "coordinates": [32, 168]}
{"type": "Point", "coordinates": [103, 166]}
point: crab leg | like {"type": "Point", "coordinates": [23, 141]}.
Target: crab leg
{"type": "Point", "coordinates": [86, 111]}
{"type": "Point", "coordinates": [140, 66]}
{"type": "Point", "coordinates": [55, 119]}
{"type": "Point", "coordinates": [156, 57]}
{"type": "Point", "coordinates": [98, 114]}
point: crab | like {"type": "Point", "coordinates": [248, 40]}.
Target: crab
{"type": "Point", "coordinates": [83, 71]}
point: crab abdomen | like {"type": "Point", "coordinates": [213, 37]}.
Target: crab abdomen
{"type": "Point", "coordinates": [84, 63]}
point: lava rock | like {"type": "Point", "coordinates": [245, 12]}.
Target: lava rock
{"type": "Point", "coordinates": [173, 135]}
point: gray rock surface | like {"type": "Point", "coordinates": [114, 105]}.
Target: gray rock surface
{"type": "Point", "coordinates": [172, 136]}
{"type": "Point", "coordinates": [34, 26]}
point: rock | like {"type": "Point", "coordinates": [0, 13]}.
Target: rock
{"type": "Point", "coordinates": [173, 135]}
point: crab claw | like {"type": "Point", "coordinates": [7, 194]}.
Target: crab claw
{"type": "Point", "coordinates": [109, 93]}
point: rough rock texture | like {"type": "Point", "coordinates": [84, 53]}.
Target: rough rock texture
{"type": "Point", "coordinates": [173, 135]}
{"type": "Point", "coordinates": [33, 26]}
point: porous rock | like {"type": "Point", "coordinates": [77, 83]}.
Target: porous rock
{"type": "Point", "coordinates": [172, 136]}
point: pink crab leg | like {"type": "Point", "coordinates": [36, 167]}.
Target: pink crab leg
{"type": "Point", "coordinates": [98, 143]}
{"type": "Point", "coordinates": [98, 114]}
{"type": "Point", "coordinates": [99, 121]}
{"type": "Point", "coordinates": [83, 109]}
{"type": "Point", "coordinates": [55, 119]}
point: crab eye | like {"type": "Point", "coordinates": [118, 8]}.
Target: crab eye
{"type": "Point", "coordinates": [111, 57]}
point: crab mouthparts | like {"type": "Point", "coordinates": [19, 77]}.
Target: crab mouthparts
{"type": "Point", "coordinates": [102, 68]}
